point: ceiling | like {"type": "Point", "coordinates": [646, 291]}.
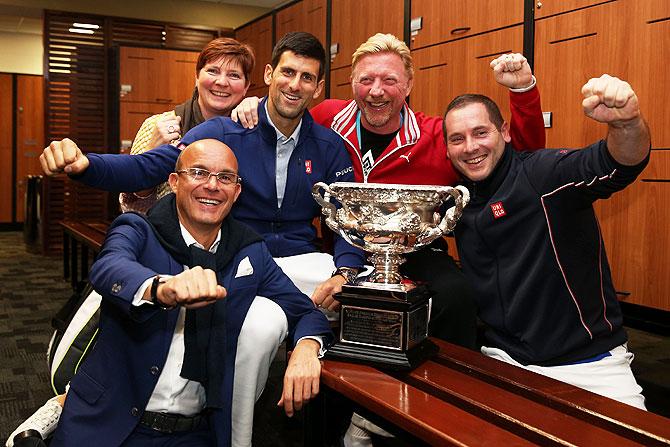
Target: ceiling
{"type": "Point", "coordinates": [26, 20]}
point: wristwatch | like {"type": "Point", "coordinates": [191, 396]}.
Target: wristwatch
{"type": "Point", "coordinates": [349, 273]}
{"type": "Point", "coordinates": [154, 293]}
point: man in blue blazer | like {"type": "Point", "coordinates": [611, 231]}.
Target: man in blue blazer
{"type": "Point", "coordinates": [176, 287]}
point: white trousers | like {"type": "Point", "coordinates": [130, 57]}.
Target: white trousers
{"type": "Point", "coordinates": [610, 376]}
{"type": "Point", "coordinates": [263, 330]}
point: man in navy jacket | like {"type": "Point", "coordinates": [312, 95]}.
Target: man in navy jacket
{"type": "Point", "coordinates": [279, 162]}
{"type": "Point", "coordinates": [163, 306]}
{"type": "Point", "coordinates": [531, 246]}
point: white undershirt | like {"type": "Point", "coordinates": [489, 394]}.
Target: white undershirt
{"type": "Point", "coordinates": [173, 393]}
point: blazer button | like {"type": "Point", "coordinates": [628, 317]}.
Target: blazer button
{"type": "Point", "coordinates": [154, 370]}
{"type": "Point", "coordinates": [116, 287]}
{"type": "Point", "coordinates": [134, 411]}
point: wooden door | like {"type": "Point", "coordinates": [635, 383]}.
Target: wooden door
{"type": "Point", "coordinates": [444, 71]}
{"type": "Point", "coordinates": [570, 49]}
{"type": "Point", "coordinates": [29, 134]}
{"type": "Point", "coordinates": [448, 20]}
{"type": "Point", "coordinates": [6, 149]}
{"type": "Point", "coordinates": [258, 34]}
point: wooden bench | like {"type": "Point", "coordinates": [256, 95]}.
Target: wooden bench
{"type": "Point", "coordinates": [90, 235]}
{"type": "Point", "coordinates": [461, 397]}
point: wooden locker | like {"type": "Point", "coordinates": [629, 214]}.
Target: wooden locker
{"type": "Point", "coordinates": [29, 134]}
{"type": "Point", "coordinates": [258, 34]}
{"type": "Point", "coordinates": [6, 149]}
{"type": "Point", "coordinates": [308, 16]}
{"type": "Point", "coordinates": [633, 223]}
{"type": "Point", "coordinates": [570, 49]}
{"type": "Point", "coordinates": [354, 21]}
{"type": "Point", "coordinates": [340, 83]}
{"type": "Point", "coordinates": [444, 71]}
{"type": "Point", "coordinates": [453, 19]}
{"type": "Point", "coordinates": [647, 70]}
{"type": "Point", "coordinates": [546, 8]}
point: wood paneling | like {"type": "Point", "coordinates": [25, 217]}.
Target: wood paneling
{"type": "Point", "coordinates": [258, 34]}
{"type": "Point", "coordinates": [29, 134]}
{"type": "Point", "coordinates": [443, 71]}
{"type": "Point", "coordinates": [569, 50]}
{"type": "Point", "coordinates": [340, 83]}
{"type": "Point", "coordinates": [448, 20]}
{"type": "Point", "coordinates": [544, 8]}
{"type": "Point", "coordinates": [634, 225]}
{"type": "Point", "coordinates": [308, 16]}
{"type": "Point", "coordinates": [353, 21]}
{"type": "Point", "coordinates": [6, 149]}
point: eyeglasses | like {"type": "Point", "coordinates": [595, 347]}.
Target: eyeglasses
{"type": "Point", "coordinates": [201, 175]}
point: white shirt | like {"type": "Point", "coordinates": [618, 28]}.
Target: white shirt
{"type": "Point", "coordinates": [284, 149]}
{"type": "Point", "coordinates": [173, 393]}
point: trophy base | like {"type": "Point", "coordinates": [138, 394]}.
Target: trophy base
{"type": "Point", "coordinates": [387, 327]}
{"type": "Point", "coordinates": [395, 360]}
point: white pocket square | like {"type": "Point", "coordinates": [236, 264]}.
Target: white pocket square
{"type": "Point", "coordinates": [245, 268]}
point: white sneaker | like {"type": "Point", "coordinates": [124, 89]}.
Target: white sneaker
{"type": "Point", "coordinates": [44, 421]}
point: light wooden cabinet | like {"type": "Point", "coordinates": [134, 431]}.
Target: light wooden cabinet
{"type": "Point", "coordinates": [258, 34]}
{"type": "Point", "coordinates": [6, 126]}
{"type": "Point", "coordinates": [22, 115]}
{"type": "Point", "coordinates": [154, 75]}
{"type": "Point", "coordinates": [308, 16]}
{"type": "Point", "coordinates": [545, 8]}
{"type": "Point", "coordinates": [151, 81]}
{"type": "Point", "coordinates": [340, 83]}
{"type": "Point", "coordinates": [353, 21]}
{"type": "Point", "coordinates": [570, 49]}
{"type": "Point", "coordinates": [444, 71]}
{"type": "Point", "coordinates": [29, 134]}
{"type": "Point", "coordinates": [648, 52]}
{"type": "Point", "coordinates": [444, 20]}
{"type": "Point", "coordinates": [633, 223]}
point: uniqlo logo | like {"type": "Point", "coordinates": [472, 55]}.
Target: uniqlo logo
{"type": "Point", "coordinates": [498, 210]}
{"type": "Point", "coordinates": [308, 166]}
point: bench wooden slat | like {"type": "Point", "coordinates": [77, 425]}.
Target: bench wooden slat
{"type": "Point", "coordinates": [417, 412]}
{"type": "Point", "coordinates": [520, 415]}
{"type": "Point", "coordinates": [628, 421]}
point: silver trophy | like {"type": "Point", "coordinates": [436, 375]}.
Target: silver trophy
{"type": "Point", "coordinates": [384, 320]}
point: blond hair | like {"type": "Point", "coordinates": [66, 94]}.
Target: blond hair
{"type": "Point", "coordinates": [385, 43]}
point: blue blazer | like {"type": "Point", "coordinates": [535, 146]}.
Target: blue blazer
{"type": "Point", "coordinates": [112, 387]}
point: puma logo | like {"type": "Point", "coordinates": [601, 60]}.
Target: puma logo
{"type": "Point", "coordinates": [406, 157]}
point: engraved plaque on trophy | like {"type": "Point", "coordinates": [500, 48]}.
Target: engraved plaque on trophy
{"type": "Point", "coordinates": [384, 320]}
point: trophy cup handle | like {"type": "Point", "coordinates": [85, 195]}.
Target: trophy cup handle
{"type": "Point", "coordinates": [461, 197]}
{"type": "Point", "coordinates": [327, 208]}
